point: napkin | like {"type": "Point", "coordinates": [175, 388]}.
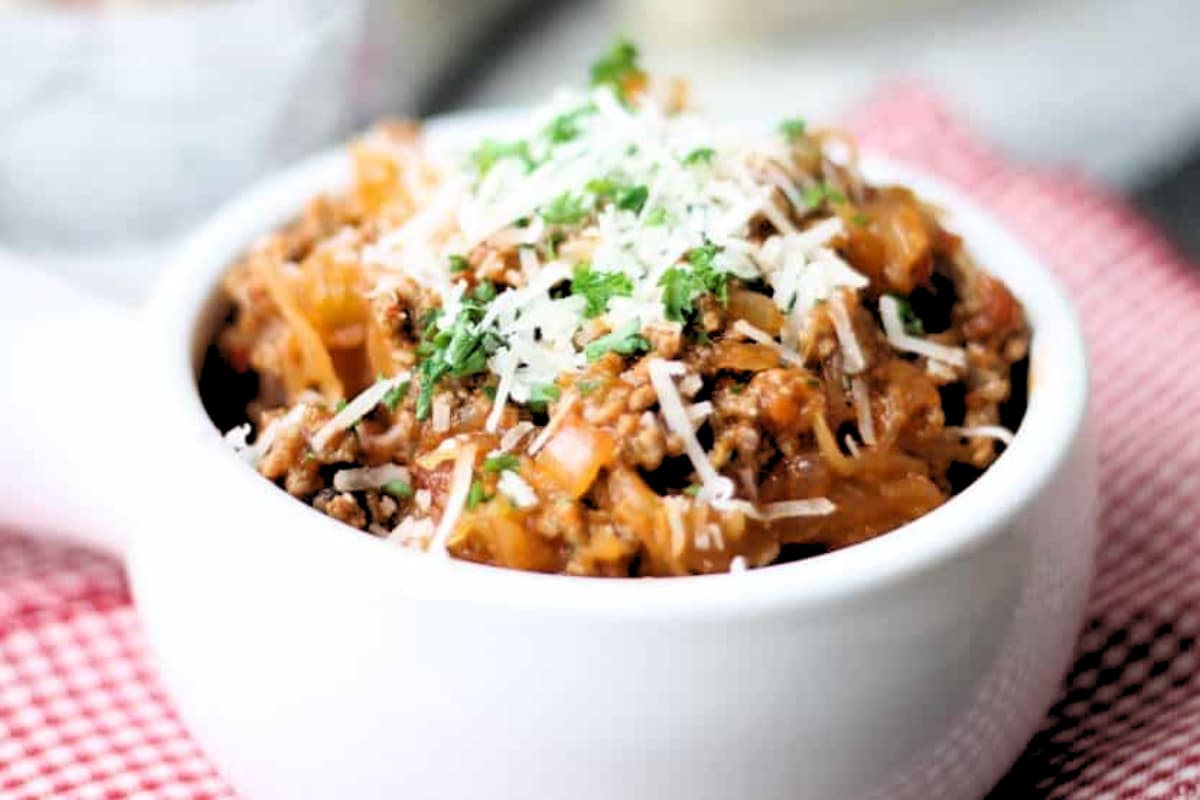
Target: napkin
{"type": "Point", "coordinates": [82, 715]}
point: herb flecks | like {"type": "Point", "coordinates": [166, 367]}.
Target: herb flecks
{"type": "Point", "coordinates": [492, 151]}
{"type": "Point", "coordinates": [501, 463]}
{"type": "Point", "coordinates": [619, 69]}
{"type": "Point", "coordinates": [793, 129]}
{"type": "Point", "coordinates": [626, 340]}
{"type": "Point", "coordinates": [597, 287]}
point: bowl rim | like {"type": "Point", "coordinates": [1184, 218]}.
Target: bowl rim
{"type": "Point", "coordinates": [179, 316]}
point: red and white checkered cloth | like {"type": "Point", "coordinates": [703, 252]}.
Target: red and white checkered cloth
{"type": "Point", "coordinates": [82, 716]}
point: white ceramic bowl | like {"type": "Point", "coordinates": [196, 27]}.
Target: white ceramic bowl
{"type": "Point", "coordinates": [312, 661]}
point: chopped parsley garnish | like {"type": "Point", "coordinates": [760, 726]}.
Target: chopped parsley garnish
{"type": "Point", "coordinates": [679, 289]}
{"type": "Point", "coordinates": [395, 395]}
{"type": "Point", "coordinates": [701, 155]}
{"type": "Point", "coordinates": [793, 129]}
{"type": "Point", "coordinates": [541, 395]}
{"type": "Point", "coordinates": [820, 193]}
{"type": "Point", "coordinates": [485, 292]}
{"type": "Point", "coordinates": [489, 392]}
{"type": "Point", "coordinates": [502, 462]}
{"type": "Point", "coordinates": [715, 280]}
{"type": "Point", "coordinates": [861, 219]}
{"type": "Point", "coordinates": [339, 406]}
{"type": "Point", "coordinates": [565, 127]}
{"type": "Point", "coordinates": [401, 489]}
{"type": "Point", "coordinates": [681, 286]}
{"type": "Point", "coordinates": [566, 209]}
{"type": "Point", "coordinates": [617, 68]}
{"type": "Point", "coordinates": [703, 338]}
{"type": "Point", "coordinates": [632, 198]}
{"type": "Point", "coordinates": [692, 490]}
{"type": "Point", "coordinates": [458, 351]}
{"type": "Point", "coordinates": [603, 188]}
{"type": "Point", "coordinates": [737, 388]}
{"type": "Point", "coordinates": [458, 264]}
{"type": "Point", "coordinates": [656, 216]}
{"type": "Point", "coordinates": [586, 387]}
{"type": "Point", "coordinates": [597, 287]}
{"type": "Point", "coordinates": [477, 495]}
{"type": "Point", "coordinates": [626, 341]}
{"type": "Point", "coordinates": [912, 323]}
{"type": "Point", "coordinates": [491, 151]}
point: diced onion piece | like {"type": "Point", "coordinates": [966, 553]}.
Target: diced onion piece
{"type": "Point", "coordinates": [359, 478]}
{"type": "Point", "coordinates": [713, 485]}
{"type": "Point", "coordinates": [862, 406]}
{"type": "Point", "coordinates": [986, 431]}
{"type": "Point", "coordinates": [851, 445]}
{"type": "Point", "coordinates": [460, 485]}
{"type": "Point", "coordinates": [675, 524]}
{"type": "Point", "coordinates": [787, 509]}
{"type": "Point", "coordinates": [513, 436]}
{"type": "Point", "coordinates": [893, 326]}
{"type": "Point", "coordinates": [574, 456]}
{"type": "Point", "coordinates": [356, 409]}
{"type": "Point", "coordinates": [737, 564]}
{"type": "Point", "coordinates": [515, 488]}
{"type": "Point", "coordinates": [441, 414]}
{"type": "Point", "coordinates": [853, 359]}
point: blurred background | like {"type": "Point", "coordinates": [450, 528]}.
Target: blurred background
{"type": "Point", "coordinates": [124, 122]}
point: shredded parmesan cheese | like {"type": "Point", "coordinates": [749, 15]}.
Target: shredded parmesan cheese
{"type": "Point", "coordinates": [737, 564]}
{"type": "Point", "coordinates": [893, 326]}
{"type": "Point", "coordinates": [675, 523]}
{"type": "Point", "coordinates": [714, 486]}
{"type": "Point", "coordinates": [762, 337]}
{"type": "Point", "coordinates": [355, 410]}
{"type": "Point", "coordinates": [786, 509]}
{"type": "Point", "coordinates": [862, 406]}
{"type": "Point", "coordinates": [986, 431]}
{"type": "Point", "coordinates": [516, 489]}
{"type": "Point", "coordinates": [359, 478]}
{"type": "Point", "coordinates": [456, 497]}
{"type": "Point", "coordinates": [560, 416]}
{"type": "Point", "coordinates": [853, 359]}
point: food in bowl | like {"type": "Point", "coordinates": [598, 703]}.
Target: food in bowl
{"type": "Point", "coordinates": [624, 341]}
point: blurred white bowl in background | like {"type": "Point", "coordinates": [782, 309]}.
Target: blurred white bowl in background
{"type": "Point", "coordinates": [122, 127]}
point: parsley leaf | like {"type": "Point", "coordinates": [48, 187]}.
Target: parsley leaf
{"type": "Point", "coordinates": [597, 287]}
{"type": "Point", "coordinates": [861, 219]}
{"type": "Point", "coordinates": [459, 351]}
{"type": "Point", "coordinates": [400, 489]}
{"type": "Point", "coordinates": [617, 68]}
{"type": "Point", "coordinates": [565, 127]}
{"type": "Point", "coordinates": [692, 490]}
{"type": "Point", "coordinates": [339, 406]}
{"type": "Point", "coordinates": [458, 264]}
{"type": "Point", "coordinates": [912, 323]}
{"type": "Point", "coordinates": [632, 198]}
{"type": "Point", "coordinates": [586, 387]}
{"type": "Point", "coordinates": [626, 341]}
{"type": "Point", "coordinates": [682, 286]}
{"type": "Point", "coordinates": [395, 395]}
{"type": "Point", "coordinates": [541, 395]}
{"type": "Point", "coordinates": [502, 462]}
{"type": "Point", "coordinates": [701, 155]}
{"type": "Point", "coordinates": [703, 261]}
{"type": "Point", "coordinates": [792, 129]}
{"type": "Point", "coordinates": [679, 289]}
{"type": "Point", "coordinates": [820, 193]}
{"type": "Point", "coordinates": [566, 209]}
{"type": "Point", "coordinates": [492, 151]}
{"type": "Point", "coordinates": [656, 216]}
{"type": "Point", "coordinates": [477, 495]}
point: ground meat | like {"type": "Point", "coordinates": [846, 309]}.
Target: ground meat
{"type": "Point", "coordinates": [342, 506]}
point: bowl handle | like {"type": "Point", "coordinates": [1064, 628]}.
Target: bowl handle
{"type": "Point", "coordinates": [69, 445]}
